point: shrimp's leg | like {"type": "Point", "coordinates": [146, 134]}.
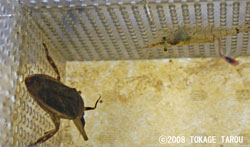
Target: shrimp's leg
{"type": "Point", "coordinates": [227, 59]}
{"type": "Point", "coordinates": [162, 30]}
{"type": "Point", "coordinates": [164, 41]}
{"type": "Point", "coordinates": [165, 48]}
{"type": "Point", "coordinates": [147, 53]}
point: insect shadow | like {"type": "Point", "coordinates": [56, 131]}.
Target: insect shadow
{"type": "Point", "coordinates": [58, 100]}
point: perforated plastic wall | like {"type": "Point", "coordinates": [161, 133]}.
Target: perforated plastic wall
{"type": "Point", "coordinates": [22, 121]}
{"type": "Point", "coordinates": [9, 61]}
{"type": "Point", "coordinates": [109, 30]}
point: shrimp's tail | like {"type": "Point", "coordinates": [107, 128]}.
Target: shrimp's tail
{"type": "Point", "coordinates": [227, 59]}
{"type": "Point", "coordinates": [231, 60]}
{"type": "Point", "coordinates": [244, 28]}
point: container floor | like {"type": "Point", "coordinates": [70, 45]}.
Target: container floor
{"type": "Point", "coordinates": [143, 100]}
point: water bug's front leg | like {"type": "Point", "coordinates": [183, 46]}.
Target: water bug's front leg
{"type": "Point", "coordinates": [51, 62]}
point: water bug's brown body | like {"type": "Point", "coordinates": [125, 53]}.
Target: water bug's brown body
{"type": "Point", "coordinates": [54, 96]}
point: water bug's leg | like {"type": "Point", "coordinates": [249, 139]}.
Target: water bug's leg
{"type": "Point", "coordinates": [51, 62]}
{"type": "Point", "coordinates": [49, 134]}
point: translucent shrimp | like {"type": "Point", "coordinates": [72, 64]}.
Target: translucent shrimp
{"type": "Point", "coordinates": [193, 33]}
